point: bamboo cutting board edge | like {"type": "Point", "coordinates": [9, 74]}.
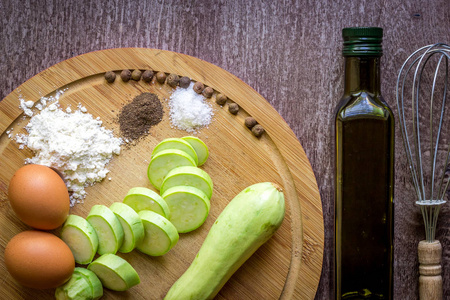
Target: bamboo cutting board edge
{"type": "Point", "coordinates": [308, 240]}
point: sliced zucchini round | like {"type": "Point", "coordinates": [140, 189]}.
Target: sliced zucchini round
{"type": "Point", "coordinates": [141, 198]}
{"type": "Point", "coordinates": [81, 238]}
{"type": "Point", "coordinates": [189, 176]}
{"type": "Point", "coordinates": [164, 161]}
{"type": "Point", "coordinates": [133, 230]}
{"type": "Point", "coordinates": [160, 234]}
{"type": "Point", "coordinates": [114, 272]}
{"type": "Point", "coordinates": [200, 148]}
{"type": "Point", "coordinates": [176, 143]}
{"type": "Point", "coordinates": [108, 228]}
{"type": "Point", "coordinates": [189, 207]}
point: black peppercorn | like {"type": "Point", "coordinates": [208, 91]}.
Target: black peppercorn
{"type": "Point", "coordinates": [233, 108]}
{"type": "Point", "coordinates": [173, 80]}
{"type": "Point", "coordinates": [125, 75]}
{"type": "Point", "coordinates": [208, 92]}
{"type": "Point", "coordinates": [250, 122]}
{"type": "Point", "coordinates": [147, 75]}
{"type": "Point", "coordinates": [161, 77]}
{"type": "Point", "coordinates": [136, 75]}
{"type": "Point", "coordinates": [258, 130]}
{"type": "Point", "coordinates": [221, 99]}
{"type": "Point", "coordinates": [199, 87]}
{"type": "Point", "coordinates": [185, 82]}
{"type": "Point", "coordinates": [110, 76]}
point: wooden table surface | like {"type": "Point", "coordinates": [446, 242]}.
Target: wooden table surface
{"type": "Point", "coordinates": [288, 51]}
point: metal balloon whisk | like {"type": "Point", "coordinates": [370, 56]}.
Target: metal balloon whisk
{"type": "Point", "coordinates": [423, 83]}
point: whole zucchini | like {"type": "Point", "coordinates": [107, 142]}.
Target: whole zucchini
{"type": "Point", "coordinates": [246, 223]}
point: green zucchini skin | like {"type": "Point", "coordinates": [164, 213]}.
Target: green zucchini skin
{"type": "Point", "coordinates": [247, 222]}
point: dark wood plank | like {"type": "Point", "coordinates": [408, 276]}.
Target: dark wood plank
{"type": "Point", "coordinates": [289, 51]}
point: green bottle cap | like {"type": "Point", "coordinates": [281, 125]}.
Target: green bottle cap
{"type": "Point", "coordinates": [362, 41]}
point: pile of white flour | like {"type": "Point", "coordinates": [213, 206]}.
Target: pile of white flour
{"type": "Point", "coordinates": [74, 143]}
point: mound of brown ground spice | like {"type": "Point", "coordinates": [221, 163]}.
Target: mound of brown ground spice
{"type": "Point", "coordinates": [138, 116]}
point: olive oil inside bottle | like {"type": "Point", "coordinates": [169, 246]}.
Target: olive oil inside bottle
{"type": "Point", "coordinates": [365, 187]}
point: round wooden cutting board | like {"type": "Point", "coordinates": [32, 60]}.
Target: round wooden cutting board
{"type": "Point", "coordinates": [288, 266]}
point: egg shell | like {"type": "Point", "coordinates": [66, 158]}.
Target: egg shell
{"type": "Point", "coordinates": [39, 197]}
{"type": "Point", "coordinates": [39, 260]}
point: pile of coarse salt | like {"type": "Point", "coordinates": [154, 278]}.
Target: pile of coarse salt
{"type": "Point", "coordinates": [74, 143]}
{"type": "Point", "coordinates": [188, 110]}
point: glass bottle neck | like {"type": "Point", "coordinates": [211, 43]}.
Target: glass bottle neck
{"type": "Point", "coordinates": [362, 74]}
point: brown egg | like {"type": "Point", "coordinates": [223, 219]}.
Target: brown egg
{"type": "Point", "coordinates": [39, 197]}
{"type": "Point", "coordinates": [39, 259]}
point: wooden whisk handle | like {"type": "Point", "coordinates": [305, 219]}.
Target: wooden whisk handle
{"type": "Point", "coordinates": [430, 279]}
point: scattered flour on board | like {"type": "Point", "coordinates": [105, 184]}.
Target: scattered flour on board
{"type": "Point", "coordinates": [74, 143]}
{"type": "Point", "coordinates": [188, 110]}
{"type": "Point", "coordinates": [27, 105]}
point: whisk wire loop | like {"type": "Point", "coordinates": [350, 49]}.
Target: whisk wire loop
{"type": "Point", "coordinates": [405, 136]}
{"type": "Point", "coordinates": [434, 154]}
{"type": "Point", "coordinates": [441, 191]}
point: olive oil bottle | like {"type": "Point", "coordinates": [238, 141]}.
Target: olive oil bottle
{"type": "Point", "coordinates": [364, 174]}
